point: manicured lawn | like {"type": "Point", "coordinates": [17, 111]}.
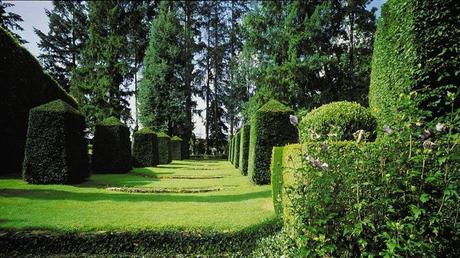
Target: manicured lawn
{"type": "Point", "coordinates": [182, 195]}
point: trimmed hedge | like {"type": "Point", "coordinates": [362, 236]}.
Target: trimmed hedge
{"type": "Point", "coordinates": [24, 86]}
{"type": "Point", "coordinates": [270, 126]}
{"type": "Point", "coordinates": [56, 150]}
{"type": "Point", "coordinates": [165, 243]}
{"type": "Point", "coordinates": [145, 148]}
{"type": "Point", "coordinates": [232, 150]}
{"type": "Point", "coordinates": [111, 147]}
{"type": "Point", "coordinates": [244, 148]}
{"type": "Point", "coordinates": [237, 149]}
{"type": "Point", "coordinates": [164, 148]}
{"type": "Point", "coordinates": [417, 48]}
{"type": "Point", "coordinates": [336, 121]}
{"type": "Point", "coordinates": [176, 148]}
{"type": "Point", "coordinates": [276, 170]}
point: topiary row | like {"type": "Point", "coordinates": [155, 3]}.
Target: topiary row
{"type": "Point", "coordinates": [236, 161]}
{"type": "Point", "coordinates": [244, 148]}
{"type": "Point", "coordinates": [145, 148]}
{"type": "Point", "coordinates": [111, 147]}
{"type": "Point", "coordinates": [270, 127]}
{"type": "Point", "coordinates": [24, 86]}
{"type": "Point", "coordinates": [56, 151]}
{"type": "Point", "coordinates": [164, 148]}
{"type": "Point", "coordinates": [176, 148]}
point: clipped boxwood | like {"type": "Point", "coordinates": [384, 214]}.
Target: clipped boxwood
{"type": "Point", "coordinates": [232, 149]}
{"type": "Point", "coordinates": [276, 170]}
{"type": "Point", "coordinates": [270, 126]}
{"type": "Point", "coordinates": [244, 148]}
{"type": "Point", "coordinates": [164, 148]}
{"type": "Point", "coordinates": [176, 148]}
{"type": "Point", "coordinates": [336, 121]}
{"type": "Point", "coordinates": [111, 147]}
{"type": "Point", "coordinates": [237, 149]}
{"type": "Point", "coordinates": [416, 49]}
{"type": "Point", "coordinates": [145, 148]}
{"type": "Point", "coordinates": [56, 150]}
{"type": "Point", "coordinates": [24, 86]}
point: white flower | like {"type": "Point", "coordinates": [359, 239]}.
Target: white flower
{"type": "Point", "coordinates": [294, 120]}
{"type": "Point", "coordinates": [359, 135]}
{"type": "Point", "coordinates": [440, 127]}
{"type": "Point", "coordinates": [387, 129]}
{"type": "Point", "coordinates": [428, 144]}
{"type": "Point", "coordinates": [324, 166]}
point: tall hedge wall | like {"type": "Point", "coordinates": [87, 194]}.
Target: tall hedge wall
{"type": "Point", "coordinates": [232, 153]}
{"type": "Point", "coordinates": [229, 155]}
{"type": "Point", "coordinates": [244, 148]}
{"type": "Point", "coordinates": [270, 126]}
{"type": "Point", "coordinates": [416, 49]}
{"type": "Point", "coordinates": [56, 151]}
{"type": "Point", "coordinates": [164, 148]}
{"type": "Point", "coordinates": [111, 147]}
{"type": "Point", "coordinates": [237, 149]}
{"type": "Point", "coordinates": [336, 121]}
{"type": "Point", "coordinates": [145, 148]}
{"type": "Point", "coordinates": [176, 148]}
{"type": "Point", "coordinates": [24, 86]}
{"type": "Point", "coordinates": [276, 170]}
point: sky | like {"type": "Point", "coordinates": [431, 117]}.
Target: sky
{"type": "Point", "coordinates": [33, 14]}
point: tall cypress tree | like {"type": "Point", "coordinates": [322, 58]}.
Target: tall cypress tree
{"type": "Point", "coordinates": [101, 82]}
{"type": "Point", "coordinates": [62, 46]}
{"type": "Point", "coordinates": [161, 90]}
{"type": "Point", "coordinates": [10, 21]}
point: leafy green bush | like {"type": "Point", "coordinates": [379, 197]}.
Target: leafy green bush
{"type": "Point", "coordinates": [336, 121]}
{"type": "Point", "coordinates": [270, 126]}
{"type": "Point", "coordinates": [145, 148]}
{"type": "Point", "coordinates": [56, 149]}
{"type": "Point", "coordinates": [416, 49]}
{"type": "Point", "coordinates": [176, 148]}
{"type": "Point", "coordinates": [244, 148]}
{"type": "Point", "coordinates": [164, 148]}
{"type": "Point", "coordinates": [237, 149]}
{"type": "Point", "coordinates": [111, 147]}
{"type": "Point", "coordinates": [24, 86]}
{"type": "Point", "coordinates": [149, 243]}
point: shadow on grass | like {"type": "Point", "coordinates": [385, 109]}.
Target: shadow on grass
{"type": "Point", "coordinates": [47, 194]}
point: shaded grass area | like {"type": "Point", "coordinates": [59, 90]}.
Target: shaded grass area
{"type": "Point", "coordinates": [91, 207]}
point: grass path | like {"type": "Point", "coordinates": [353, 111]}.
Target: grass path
{"type": "Point", "coordinates": [182, 195]}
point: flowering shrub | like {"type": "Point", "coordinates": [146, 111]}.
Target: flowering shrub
{"type": "Point", "coordinates": [395, 197]}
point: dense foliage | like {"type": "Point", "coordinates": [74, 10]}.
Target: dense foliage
{"type": "Point", "coordinates": [337, 121]}
{"type": "Point", "coordinates": [56, 150]}
{"type": "Point", "coordinates": [24, 86]}
{"type": "Point", "coordinates": [270, 126]}
{"type": "Point", "coordinates": [10, 21]}
{"type": "Point", "coordinates": [176, 148]}
{"type": "Point", "coordinates": [164, 148]}
{"type": "Point", "coordinates": [145, 148]}
{"type": "Point", "coordinates": [416, 49]}
{"type": "Point", "coordinates": [244, 148]}
{"type": "Point", "coordinates": [111, 147]}
{"type": "Point", "coordinates": [276, 171]}
{"type": "Point", "coordinates": [237, 149]}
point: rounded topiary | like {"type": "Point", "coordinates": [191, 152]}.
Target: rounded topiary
{"type": "Point", "coordinates": [176, 148]}
{"type": "Point", "coordinates": [164, 148]}
{"type": "Point", "coordinates": [336, 121]}
{"type": "Point", "coordinates": [145, 148]}
{"type": "Point", "coordinates": [56, 151]}
{"type": "Point", "coordinates": [24, 86]}
{"type": "Point", "coordinates": [270, 126]}
{"type": "Point", "coordinates": [244, 148]}
{"type": "Point", "coordinates": [237, 149]}
{"type": "Point", "coordinates": [416, 49]}
{"type": "Point", "coordinates": [111, 147]}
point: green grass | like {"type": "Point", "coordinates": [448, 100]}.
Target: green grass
{"type": "Point", "coordinates": [91, 207]}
